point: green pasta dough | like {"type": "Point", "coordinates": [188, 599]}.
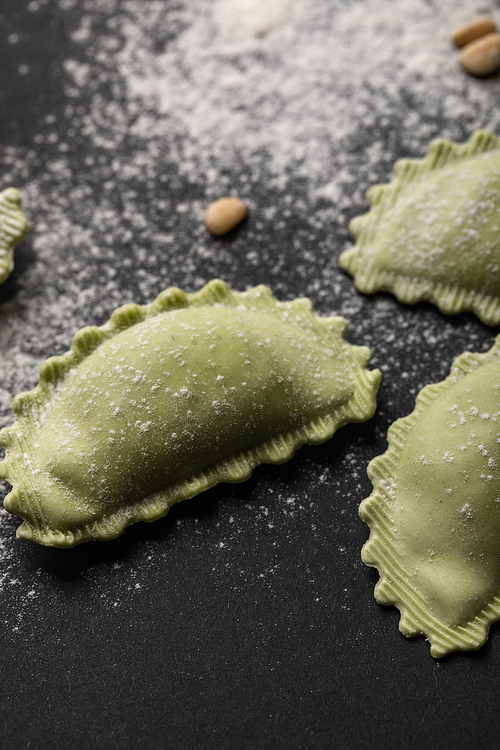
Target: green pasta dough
{"type": "Point", "coordinates": [13, 228]}
{"type": "Point", "coordinates": [167, 400]}
{"type": "Point", "coordinates": [433, 233]}
{"type": "Point", "coordinates": [434, 512]}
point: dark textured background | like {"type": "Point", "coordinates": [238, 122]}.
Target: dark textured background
{"type": "Point", "coordinates": [239, 621]}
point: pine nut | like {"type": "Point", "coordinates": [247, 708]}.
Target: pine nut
{"type": "Point", "coordinates": [224, 214]}
{"type": "Point", "coordinates": [482, 57]}
{"type": "Point", "coordinates": [474, 29]}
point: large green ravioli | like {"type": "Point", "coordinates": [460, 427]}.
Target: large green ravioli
{"type": "Point", "coordinates": [433, 233]}
{"type": "Point", "coordinates": [167, 400]}
{"type": "Point", "coordinates": [434, 512]}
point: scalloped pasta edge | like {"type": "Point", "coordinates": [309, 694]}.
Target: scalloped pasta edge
{"type": "Point", "coordinates": [14, 227]}
{"type": "Point", "coordinates": [449, 299]}
{"type": "Point", "coordinates": [380, 551]}
{"type": "Point", "coordinates": [31, 408]}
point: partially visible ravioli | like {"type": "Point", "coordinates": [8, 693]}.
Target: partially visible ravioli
{"type": "Point", "coordinates": [167, 400]}
{"type": "Point", "coordinates": [13, 228]}
{"type": "Point", "coordinates": [433, 233]}
{"type": "Point", "coordinates": [434, 512]}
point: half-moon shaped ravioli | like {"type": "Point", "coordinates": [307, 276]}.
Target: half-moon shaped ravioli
{"type": "Point", "coordinates": [13, 228]}
{"type": "Point", "coordinates": [167, 400]}
{"type": "Point", "coordinates": [433, 233]}
{"type": "Point", "coordinates": [434, 512]}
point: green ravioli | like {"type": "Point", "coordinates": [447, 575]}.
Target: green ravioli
{"type": "Point", "coordinates": [13, 228]}
{"type": "Point", "coordinates": [434, 512]}
{"type": "Point", "coordinates": [167, 400]}
{"type": "Point", "coordinates": [433, 233]}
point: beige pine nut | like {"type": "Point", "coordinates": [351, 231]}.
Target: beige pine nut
{"type": "Point", "coordinates": [482, 57]}
{"type": "Point", "coordinates": [474, 29]}
{"type": "Point", "coordinates": [224, 214]}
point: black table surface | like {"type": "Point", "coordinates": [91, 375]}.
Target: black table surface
{"type": "Point", "coordinates": [245, 618]}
